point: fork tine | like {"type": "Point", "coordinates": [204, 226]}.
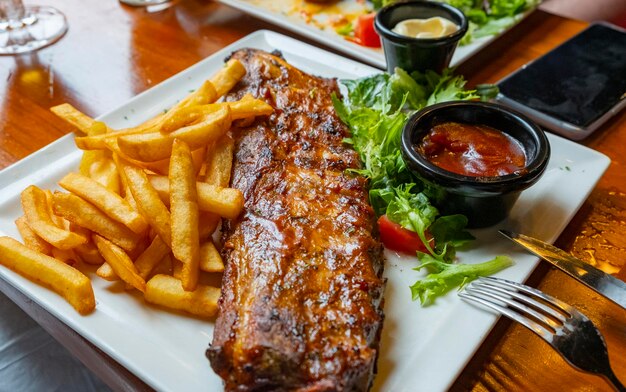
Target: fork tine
{"type": "Point", "coordinates": [530, 324]}
{"type": "Point", "coordinates": [524, 298]}
{"type": "Point", "coordinates": [521, 308]}
{"type": "Point", "coordinates": [558, 303]}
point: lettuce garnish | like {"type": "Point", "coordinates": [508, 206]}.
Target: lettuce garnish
{"type": "Point", "coordinates": [376, 109]}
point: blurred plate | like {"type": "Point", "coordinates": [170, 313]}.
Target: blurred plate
{"type": "Point", "coordinates": [312, 21]}
{"type": "Point", "coordinates": [421, 348]}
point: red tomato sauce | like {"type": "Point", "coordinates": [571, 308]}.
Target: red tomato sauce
{"type": "Point", "coordinates": [472, 150]}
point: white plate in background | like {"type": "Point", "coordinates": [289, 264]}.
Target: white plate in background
{"type": "Point", "coordinates": [285, 13]}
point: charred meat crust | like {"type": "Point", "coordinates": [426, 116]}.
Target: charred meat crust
{"type": "Point", "coordinates": [301, 304]}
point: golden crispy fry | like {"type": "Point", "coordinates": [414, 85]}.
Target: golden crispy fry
{"type": "Point", "coordinates": [207, 224]}
{"type": "Point", "coordinates": [67, 281]}
{"type": "Point", "coordinates": [79, 120]}
{"type": "Point", "coordinates": [177, 268]}
{"type": "Point", "coordinates": [247, 107]}
{"type": "Point", "coordinates": [220, 162]}
{"type": "Point", "coordinates": [227, 77]}
{"type": "Point", "coordinates": [210, 259]}
{"type": "Point", "coordinates": [90, 158]}
{"type": "Point", "coordinates": [119, 261]}
{"type": "Point", "coordinates": [36, 210]}
{"type": "Point", "coordinates": [104, 171]}
{"type": "Point", "coordinates": [184, 213]}
{"type": "Point", "coordinates": [226, 202]}
{"type": "Point", "coordinates": [106, 272]}
{"type": "Point", "coordinates": [88, 253]}
{"type": "Point", "coordinates": [85, 214]}
{"type": "Point", "coordinates": [154, 146]}
{"type": "Point", "coordinates": [67, 256]}
{"type": "Point", "coordinates": [164, 266]}
{"type": "Point", "coordinates": [202, 96]}
{"type": "Point", "coordinates": [31, 239]}
{"type": "Point", "coordinates": [152, 256]}
{"type": "Point", "coordinates": [98, 141]}
{"type": "Point", "coordinates": [162, 167]}
{"type": "Point", "coordinates": [59, 221]}
{"type": "Point", "coordinates": [110, 203]}
{"type": "Point", "coordinates": [167, 291]}
{"type": "Point", "coordinates": [148, 202]}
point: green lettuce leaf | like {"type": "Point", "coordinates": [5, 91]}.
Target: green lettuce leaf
{"type": "Point", "coordinates": [446, 276]}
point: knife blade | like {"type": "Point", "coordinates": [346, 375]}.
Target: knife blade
{"type": "Point", "coordinates": [599, 281]}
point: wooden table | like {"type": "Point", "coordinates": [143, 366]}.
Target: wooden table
{"type": "Point", "coordinates": [113, 52]}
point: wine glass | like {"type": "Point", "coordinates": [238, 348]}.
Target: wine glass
{"type": "Point", "coordinates": [27, 28]}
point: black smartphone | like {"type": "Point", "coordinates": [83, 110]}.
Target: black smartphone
{"type": "Point", "coordinates": [574, 88]}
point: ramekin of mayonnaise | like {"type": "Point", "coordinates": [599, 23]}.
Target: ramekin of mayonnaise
{"type": "Point", "coordinates": [419, 35]}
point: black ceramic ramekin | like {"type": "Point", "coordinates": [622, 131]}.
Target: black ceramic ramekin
{"type": "Point", "coordinates": [418, 54]}
{"type": "Point", "coordinates": [484, 200]}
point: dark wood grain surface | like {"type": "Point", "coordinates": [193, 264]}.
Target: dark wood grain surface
{"type": "Point", "coordinates": [113, 52]}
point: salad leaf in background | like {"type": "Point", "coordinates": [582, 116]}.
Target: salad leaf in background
{"type": "Point", "coordinates": [376, 109]}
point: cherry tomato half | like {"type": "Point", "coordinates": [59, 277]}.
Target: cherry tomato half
{"type": "Point", "coordinates": [364, 32]}
{"type": "Point", "coordinates": [396, 237]}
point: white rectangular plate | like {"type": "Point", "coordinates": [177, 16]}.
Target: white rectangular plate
{"type": "Point", "coordinates": [421, 348]}
{"type": "Point", "coordinates": [288, 14]}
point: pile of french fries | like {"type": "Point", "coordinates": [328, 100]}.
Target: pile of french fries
{"type": "Point", "coordinates": [143, 205]}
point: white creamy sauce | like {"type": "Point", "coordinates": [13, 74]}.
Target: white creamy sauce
{"type": "Point", "coordinates": [426, 28]}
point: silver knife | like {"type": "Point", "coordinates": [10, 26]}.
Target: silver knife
{"type": "Point", "coordinates": [610, 287]}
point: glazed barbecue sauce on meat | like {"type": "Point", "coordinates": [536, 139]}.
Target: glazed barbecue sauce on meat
{"type": "Point", "coordinates": [301, 303]}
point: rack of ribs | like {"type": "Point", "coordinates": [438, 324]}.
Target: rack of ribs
{"type": "Point", "coordinates": [301, 303]}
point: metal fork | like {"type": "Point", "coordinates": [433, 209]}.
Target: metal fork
{"type": "Point", "coordinates": [567, 330]}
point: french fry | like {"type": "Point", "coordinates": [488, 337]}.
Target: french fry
{"type": "Point", "coordinates": [184, 213]}
{"type": "Point", "coordinates": [154, 146]}
{"type": "Point", "coordinates": [152, 256]}
{"type": "Point", "coordinates": [79, 120]}
{"type": "Point", "coordinates": [106, 272]}
{"type": "Point", "coordinates": [119, 261]}
{"type": "Point", "coordinates": [202, 96]}
{"type": "Point", "coordinates": [207, 224]}
{"type": "Point", "coordinates": [88, 253]}
{"type": "Point", "coordinates": [57, 220]}
{"type": "Point", "coordinates": [162, 167]}
{"type": "Point", "coordinates": [227, 77]}
{"type": "Point", "coordinates": [109, 202]}
{"type": "Point", "coordinates": [90, 158]}
{"type": "Point", "coordinates": [67, 256]}
{"type": "Point", "coordinates": [85, 214]}
{"type": "Point", "coordinates": [177, 268]}
{"type": "Point", "coordinates": [31, 239]}
{"type": "Point", "coordinates": [98, 141]}
{"type": "Point", "coordinates": [66, 281]}
{"type": "Point", "coordinates": [247, 107]}
{"type": "Point", "coordinates": [220, 161]}
{"type": "Point", "coordinates": [164, 266]}
{"type": "Point", "coordinates": [226, 202]}
{"type": "Point", "coordinates": [210, 259]}
{"type": "Point", "coordinates": [104, 171]}
{"type": "Point", "coordinates": [148, 202]}
{"type": "Point", "coordinates": [168, 292]}
{"type": "Point", "coordinates": [35, 206]}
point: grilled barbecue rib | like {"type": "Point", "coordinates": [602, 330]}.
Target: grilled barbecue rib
{"type": "Point", "coordinates": [301, 304]}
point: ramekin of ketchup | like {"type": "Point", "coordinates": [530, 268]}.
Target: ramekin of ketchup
{"type": "Point", "coordinates": [478, 157]}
